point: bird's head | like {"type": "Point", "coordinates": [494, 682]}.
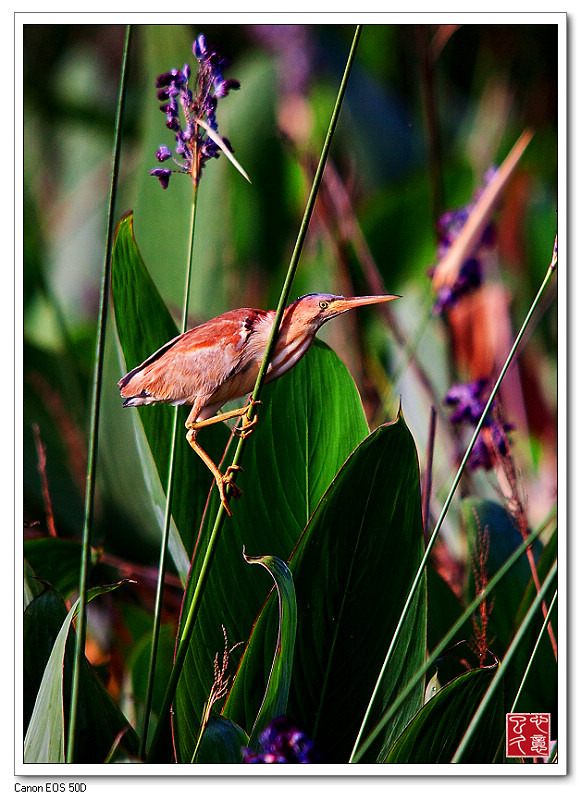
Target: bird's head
{"type": "Point", "coordinates": [313, 310]}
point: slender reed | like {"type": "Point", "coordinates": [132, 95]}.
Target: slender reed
{"type": "Point", "coordinates": [168, 499]}
{"type": "Point", "coordinates": [94, 422]}
{"type": "Point", "coordinates": [192, 613]}
{"type": "Point", "coordinates": [451, 493]}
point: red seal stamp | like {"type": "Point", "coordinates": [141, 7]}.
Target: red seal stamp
{"type": "Point", "coordinates": [527, 735]}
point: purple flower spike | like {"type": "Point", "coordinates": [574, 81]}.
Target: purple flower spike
{"type": "Point", "coordinates": [183, 108]}
{"type": "Point", "coordinates": [469, 401]}
{"type": "Point", "coordinates": [470, 273]}
{"type": "Point", "coordinates": [282, 743]}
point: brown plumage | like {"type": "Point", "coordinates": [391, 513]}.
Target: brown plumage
{"type": "Point", "coordinates": [219, 361]}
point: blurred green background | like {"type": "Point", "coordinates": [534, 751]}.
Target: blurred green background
{"type": "Point", "coordinates": [377, 211]}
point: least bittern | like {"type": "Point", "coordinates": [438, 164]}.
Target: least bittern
{"type": "Point", "coordinates": [219, 361]}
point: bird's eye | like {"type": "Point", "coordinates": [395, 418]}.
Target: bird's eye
{"type": "Point", "coordinates": [323, 305]}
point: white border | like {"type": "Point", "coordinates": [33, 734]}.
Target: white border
{"type": "Point", "coordinates": [28, 772]}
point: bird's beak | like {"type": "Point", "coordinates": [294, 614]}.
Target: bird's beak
{"type": "Point", "coordinates": [342, 304]}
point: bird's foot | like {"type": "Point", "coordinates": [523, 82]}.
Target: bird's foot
{"type": "Point", "coordinates": [247, 426]}
{"type": "Point", "coordinates": [227, 479]}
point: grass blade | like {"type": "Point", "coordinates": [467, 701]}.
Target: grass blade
{"type": "Point", "coordinates": [95, 412]}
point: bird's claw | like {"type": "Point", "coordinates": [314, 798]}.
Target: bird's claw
{"type": "Point", "coordinates": [227, 479]}
{"type": "Point", "coordinates": [247, 426]}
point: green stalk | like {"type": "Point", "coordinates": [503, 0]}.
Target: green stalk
{"type": "Point", "coordinates": [535, 605]}
{"type": "Point", "coordinates": [168, 502]}
{"type": "Point", "coordinates": [533, 654]}
{"type": "Point", "coordinates": [94, 421]}
{"type": "Point", "coordinates": [448, 501]}
{"type": "Point", "coordinates": [192, 614]}
{"type": "Point", "coordinates": [443, 644]}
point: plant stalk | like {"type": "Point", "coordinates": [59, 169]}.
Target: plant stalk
{"type": "Point", "coordinates": [168, 501]}
{"type": "Point", "coordinates": [94, 420]}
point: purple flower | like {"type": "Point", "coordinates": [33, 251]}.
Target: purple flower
{"type": "Point", "coordinates": [469, 401]}
{"type": "Point", "coordinates": [163, 153]}
{"type": "Point", "coordinates": [163, 175]}
{"type": "Point", "coordinates": [282, 743]}
{"type": "Point", "coordinates": [183, 109]}
{"type": "Point", "coordinates": [482, 455]}
{"type": "Point", "coordinates": [470, 273]}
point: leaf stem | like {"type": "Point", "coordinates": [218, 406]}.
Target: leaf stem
{"type": "Point", "coordinates": [193, 609]}
{"type": "Point", "coordinates": [95, 414]}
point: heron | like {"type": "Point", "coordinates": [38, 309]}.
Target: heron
{"type": "Point", "coordinates": [219, 360]}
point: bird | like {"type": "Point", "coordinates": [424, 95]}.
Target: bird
{"type": "Point", "coordinates": [219, 361]}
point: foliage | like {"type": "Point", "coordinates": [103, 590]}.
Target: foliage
{"type": "Point", "coordinates": [325, 654]}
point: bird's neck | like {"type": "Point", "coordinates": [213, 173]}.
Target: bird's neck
{"type": "Point", "coordinates": [293, 341]}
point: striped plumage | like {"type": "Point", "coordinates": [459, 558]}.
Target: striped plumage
{"type": "Point", "coordinates": [219, 361]}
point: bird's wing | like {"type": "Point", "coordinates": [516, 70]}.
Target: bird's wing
{"type": "Point", "coordinates": [193, 365]}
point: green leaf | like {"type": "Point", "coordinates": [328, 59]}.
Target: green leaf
{"type": "Point", "coordinates": [310, 421]}
{"type": "Point", "coordinates": [45, 737]}
{"type": "Point", "coordinates": [436, 731]}
{"type": "Point", "coordinates": [352, 571]}
{"type": "Point", "coordinates": [222, 742]}
{"type": "Point", "coordinates": [143, 325]}
{"type": "Point", "coordinates": [276, 696]}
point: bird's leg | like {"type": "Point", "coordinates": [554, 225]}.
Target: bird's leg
{"type": "Point", "coordinates": [222, 480]}
{"type": "Point", "coordinates": [225, 415]}
{"type": "Point", "coordinates": [227, 478]}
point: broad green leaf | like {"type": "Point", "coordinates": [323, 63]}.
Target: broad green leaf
{"type": "Point", "coordinates": [352, 571]}
{"type": "Point", "coordinates": [143, 325]}
{"type": "Point", "coordinates": [222, 742]}
{"type": "Point", "coordinates": [437, 729]}
{"type": "Point", "coordinates": [276, 696]}
{"type": "Point", "coordinates": [157, 497]}
{"type": "Point", "coordinates": [310, 421]}
{"type": "Point", "coordinates": [45, 737]}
